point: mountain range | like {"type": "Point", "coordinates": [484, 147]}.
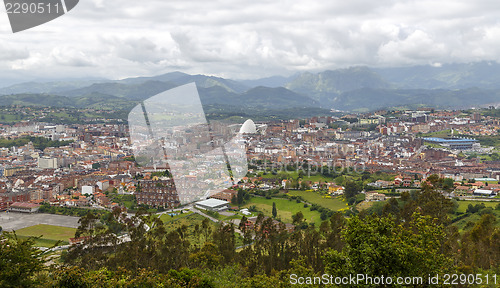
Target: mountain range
{"type": "Point", "coordinates": [351, 89]}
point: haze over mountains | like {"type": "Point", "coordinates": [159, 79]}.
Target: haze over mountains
{"type": "Point", "coordinates": [351, 89]}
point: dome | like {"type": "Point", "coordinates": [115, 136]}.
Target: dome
{"type": "Point", "coordinates": [248, 127]}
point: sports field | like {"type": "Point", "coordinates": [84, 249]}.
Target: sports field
{"type": "Point", "coordinates": [50, 234]}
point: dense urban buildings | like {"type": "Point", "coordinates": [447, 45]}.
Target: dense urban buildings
{"type": "Point", "coordinates": [79, 164]}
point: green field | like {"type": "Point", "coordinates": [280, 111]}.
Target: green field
{"type": "Point", "coordinates": [333, 203]}
{"type": "Point", "coordinates": [50, 234]}
{"type": "Point", "coordinates": [474, 218]}
{"type": "Point", "coordinates": [365, 205]}
{"type": "Point", "coordinates": [167, 218]}
{"type": "Point", "coordinates": [462, 224]}
{"type": "Point", "coordinates": [286, 209]}
{"type": "Point", "coordinates": [462, 205]}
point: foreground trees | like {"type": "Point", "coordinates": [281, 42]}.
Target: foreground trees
{"type": "Point", "coordinates": [411, 237]}
{"type": "Point", "coordinates": [378, 246]}
{"type": "Point", "coordinates": [20, 261]}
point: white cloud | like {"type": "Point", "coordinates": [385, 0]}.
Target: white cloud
{"type": "Point", "coordinates": [236, 38]}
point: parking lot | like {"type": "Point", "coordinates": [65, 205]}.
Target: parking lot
{"type": "Point", "coordinates": [10, 221]}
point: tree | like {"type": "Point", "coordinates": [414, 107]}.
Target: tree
{"type": "Point", "coordinates": [19, 261]}
{"type": "Point", "coordinates": [351, 190]}
{"type": "Point", "coordinates": [275, 211]}
{"type": "Point", "coordinates": [378, 246]}
{"type": "Point", "coordinates": [240, 197]}
{"type": "Point", "coordinates": [224, 239]}
{"type": "Point", "coordinates": [298, 218]}
{"type": "Point", "coordinates": [448, 184]}
{"type": "Point", "coordinates": [481, 245]}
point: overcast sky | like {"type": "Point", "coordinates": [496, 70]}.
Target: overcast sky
{"type": "Point", "coordinates": [249, 39]}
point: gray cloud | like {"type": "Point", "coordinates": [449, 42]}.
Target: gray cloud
{"type": "Point", "coordinates": [121, 38]}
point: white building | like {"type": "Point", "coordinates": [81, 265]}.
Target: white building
{"type": "Point", "coordinates": [87, 190]}
{"type": "Point", "coordinates": [47, 163]}
{"type": "Point", "coordinates": [248, 127]}
{"type": "Point", "coordinates": [103, 185]}
{"type": "Point", "coordinates": [483, 192]}
{"type": "Point", "coordinates": [212, 205]}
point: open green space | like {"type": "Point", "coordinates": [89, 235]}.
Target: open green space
{"type": "Point", "coordinates": [462, 205]}
{"type": "Point", "coordinates": [468, 222]}
{"type": "Point", "coordinates": [286, 208]}
{"type": "Point", "coordinates": [124, 200]}
{"type": "Point", "coordinates": [365, 205]}
{"type": "Point", "coordinates": [333, 203]}
{"type": "Point", "coordinates": [50, 234]}
{"type": "Point", "coordinates": [167, 218]}
{"type": "Point", "coordinates": [47, 243]}
{"type": "Point", "coordinates": [440, 134]}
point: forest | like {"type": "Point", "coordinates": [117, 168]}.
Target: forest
{"type": "Point", "coordinates": [38, 142]}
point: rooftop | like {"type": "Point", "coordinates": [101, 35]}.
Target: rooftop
{"type": "Point", "coordinates": [212, 202]}
{"type": "Point", "coordinates": [449, 140]}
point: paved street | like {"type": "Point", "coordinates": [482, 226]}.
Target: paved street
{"type": "Point", "coordinates": [15, 221]}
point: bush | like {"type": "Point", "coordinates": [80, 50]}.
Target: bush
{"type": "Point", "coordinates": [488, 210]}
{"type": "Point", "coordinates": [475, 208]}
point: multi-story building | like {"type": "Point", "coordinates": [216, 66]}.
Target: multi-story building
{"type": "Point", "coordinates": [47, 163]}
{"type": "Point", "coordinates": [157, 193]}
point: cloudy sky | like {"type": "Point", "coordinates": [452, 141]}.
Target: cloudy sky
{"type": "Point", "coordinates": [248, 39]}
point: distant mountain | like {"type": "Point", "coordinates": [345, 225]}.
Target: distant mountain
{"type": "Point", "coordinates": [448, 76]}
{"type": "Point", "coordinates": [94, 100]}
{"type": "Point", "coordinates": [133, 88]}
{"type": "Point", "coordinates": [168, 77]}
{"type": "Point", "coordinates": [139, 91]}
{"type": "Point", "coordinates": [122, 96]}
{"type": "Point", "coordinates": [276, 97]}
{"type": "Point", "coordinates": [370, 99]}
{"type": "Point", "coordinates": [43, 100]}
{"type": "Point", "coordinates": [46, 87]}
{"type": "Point", "coordinates": [201, 81]}
{"type": "Point", "coordinates": [351, 89]}
{"type": "Point", "coordinates": [325, 86]}
{"type": "Point", "coordinates": [272, 82]}
{"type": "Point", "coordinates": [264, 97]}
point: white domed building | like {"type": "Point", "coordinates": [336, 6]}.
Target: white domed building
{"type": "Point", "coordinates": [248, 127]}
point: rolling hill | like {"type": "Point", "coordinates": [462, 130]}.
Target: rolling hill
{"type": "Point", "coordinates": [350, 89]}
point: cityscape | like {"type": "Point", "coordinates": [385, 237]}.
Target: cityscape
{"type": "Point", "coordinates": [252, 144]}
